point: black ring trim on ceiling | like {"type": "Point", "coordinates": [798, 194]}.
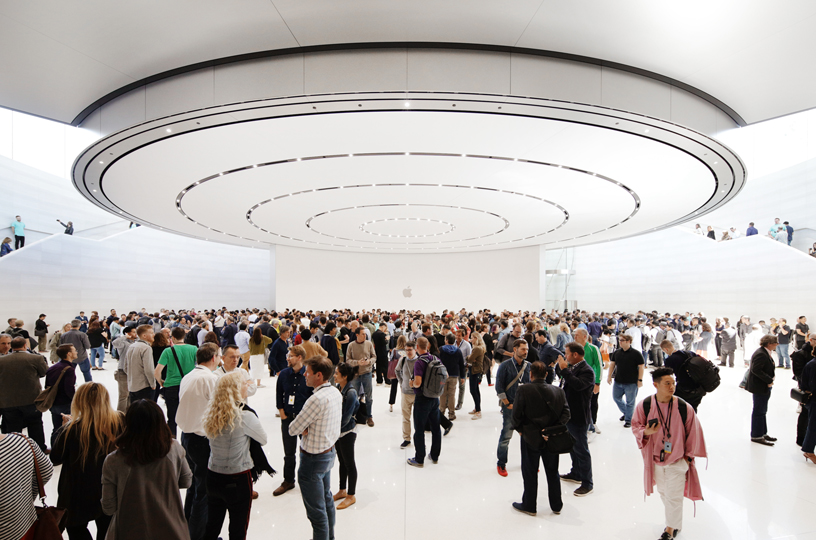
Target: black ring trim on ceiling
{"type": "Point", "coordinates": [407, 45]}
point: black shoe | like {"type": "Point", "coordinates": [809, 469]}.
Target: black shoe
{"type": "Point", "coordinates": [769, 438]}
{"type": "Point", "coordinates": [447, 430]}
{"type": "Point", "coordinates": [570, 478]}
{"type": "Point", "coordinates": [761, 440]}
{"type": "Point", "coordinates": [405, 444]}
{"type": "Point", "coordinates": [582, 491]}
{"type": "Point", "coordinates": [519, 508]}
{"type": "Point", "coordinates": [627, 424]}
{"type": "Point", "coordinates": [675, 533]}
{"type": "Point", "coordinates": [665, 536]}
{"type": "Point", "coordinates": [622, 418]}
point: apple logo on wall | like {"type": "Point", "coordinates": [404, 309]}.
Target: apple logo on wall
{"type": "Point", "coordinates": [407, 292]}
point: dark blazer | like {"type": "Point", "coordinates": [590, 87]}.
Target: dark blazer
{"type": "Point", "coordinates": [761, 372]}
{"type": "Point", "coordinates": [579, 383]}
{"type": "Point", "coordinates": [538, 405]}
{"type": "Point", "coordinates": [20, 373]}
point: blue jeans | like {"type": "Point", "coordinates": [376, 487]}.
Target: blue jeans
{"type": "Point", "coordinates": [85, 367]}
{"type": "Point", "coordinates": [314, 476]}
{"type": "Point", "coordinates": [426, 412]}
{"type": "Point", "coordinates": [581, 460]}
{"type": "Point", "coordinates": [505, 436]}
{"type": "Point", "coordinates": [362, 383]}
{"type": "Point", "coordinates": [97, 352]}
{"type": "Point", "coordinates": [782, 353]}
{"type": "Point", "coordinates": [759, 425]}
{"type": "Point", "coordinates": [627, 408]}
{"type": "Point", "coordinates": [810, 435]}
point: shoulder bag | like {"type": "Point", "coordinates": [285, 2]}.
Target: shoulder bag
{"type": "Point", "coordinates": [45, 400]}
{"type": "Point", "coordinates": [559, 440]}
{"type": "Point", "coordinates": [800, 395]}
{"type": "Point", "coordinates": [47, 526]}
{"type": "Point", "coordinates": [515, 380]}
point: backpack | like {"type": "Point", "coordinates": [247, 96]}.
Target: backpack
{"type": "Point", "coordinates": [682, 407]}
{"type": "Point", "coordinates": [192, 336]}
{"type": "Point", "coordinates": [702, 371]}
{"type": "Point", "coordinates": [645, 338]}
{"type": "Point", "coordinates": [433, 383]}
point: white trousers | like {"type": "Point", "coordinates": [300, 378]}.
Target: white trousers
{"type": "Point", "coordinates": [257, 366]}
{"type": "Point", "coordinates": [671, 483]}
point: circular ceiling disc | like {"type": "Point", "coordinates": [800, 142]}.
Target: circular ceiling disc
{"type": "Point", "coordinates": [408, 173]}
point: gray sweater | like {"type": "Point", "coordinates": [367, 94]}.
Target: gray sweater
{"type": "Point", "coordinates": [144, 500]}
{"type": "Point", "coordinates": [139, 367]}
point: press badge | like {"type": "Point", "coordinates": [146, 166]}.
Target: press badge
{"type": "Point", "coordinates": [292, 402]}
{"type": "Point", "coordinates": [667, 446]}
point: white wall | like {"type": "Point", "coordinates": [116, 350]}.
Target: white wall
{"type": "Point", "coordinates": [139, 268]}
{"type": "Point", "coordinates": [678, 271]}
{"type": "Point", "coordinates": [310, 279]}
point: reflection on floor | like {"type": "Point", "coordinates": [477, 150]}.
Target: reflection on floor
{"type": "Point", "coordinates": [750, 491]}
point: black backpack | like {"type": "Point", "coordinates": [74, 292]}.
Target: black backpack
{"type": "Point", "coordinates": [682, 407]}
{"type": "Point", "coordinates": [702, 371]}
{"type": "Point", "coordinates": [192, 336]}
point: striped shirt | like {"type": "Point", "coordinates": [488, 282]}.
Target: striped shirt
{"type": "Point", "coordinates": [18, 485]}
{"type": "Point", "coordinates": [321, 415]}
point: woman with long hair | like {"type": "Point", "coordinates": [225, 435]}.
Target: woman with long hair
{"type": "Point", "coordinates": [98, 340]}
{"type": "Point", "coordinates": [706, 337]}
{"type": "Point", "coordinates": [396, 353]}
{"type": "Point", "coordinates": [229, 427]}
{"type": "Point", "coordinates": [84, 440]}
{"type": "Point", "coordinates": [212, 337]}
{"type": "Point", "coordinates": [142, 477]}
{"type": "Point", "coordinates": [345, 443]}
{"type": "Point", "coordinates": [160, 343]}
{"type": "Point", "coordinates": [55, 341]}
{"type": "Point", "coordinates": [475, 362]}
{"type": "Point", "coordinates": [257, 345]}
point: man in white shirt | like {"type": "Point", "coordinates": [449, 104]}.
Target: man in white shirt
{"type": "Point", "coordinates": [242, 340]}
{"type": "Point", "coordinates": [464, 346]}
{"type": "Point", "coordinates": [195, 391]}
{"type": "Point", "coordinates": [319, 423]}
{"type": "Point", "coordinates": [634, 332]}
{"type": "Point", "coordinates": [229, 362]}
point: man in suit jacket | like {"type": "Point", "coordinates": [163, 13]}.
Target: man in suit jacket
{"type": "Point", "coordinates": [538, 405]}
{"type": "Point", "coordinates": [20, 373]}
{"type": "Point", "coordinates": [760, 381]}
{"type": "Point", "coordinates": [578, 380]}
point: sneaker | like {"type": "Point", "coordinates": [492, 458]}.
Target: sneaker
{"type": "Point", "coordinates": [370, 422]}
{"type": "Point", "coordinates": [447, 430]}
{"type": "Point", "coordinates": [501, 470]}
{"type": "Point", "coordinates": [665, 536]}
{"type": "Point", "coordinates": [622, 418]}
{"type": "Point", "coordinates": [570, 478]}
{"type": "Point", "coordinates": [414, 463]}
{"type": "Point", "coordinates": [627, 424]}
{"type": "Point", "coordinates": [405, 444]}
{"type": "Point", "coordinates": [762, 441]}
{"type": "Point", "coordinates": [474, 411]}
{"type": "Point", "coordinates": [458, 407]}
{"type": "Point", "coordinates": [519, 508]}
{"type": "Point", "coordinates": [476, 416]}
{"type": "Point", "coordinates": [261, 386]}
{"type": "Point", "coordinates": [769, 438]}
{"type": "Point", "coordinates": [489, 384]}
{"type": "Point", "coordinates": [582, 491]}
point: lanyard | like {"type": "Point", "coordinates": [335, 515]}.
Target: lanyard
{"type": "Point", "coordinates": [666, 425]}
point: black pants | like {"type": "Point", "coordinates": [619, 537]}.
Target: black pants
{"type": "Point", "coordinates": [475, 381]}
{"type": "Point", "coordinates": [381, 366]}
{"type": "Point", "coordinates": [692, 397]}
{"type": "Point", "coordinates": [81, 532]}
{"type": "Point", "coordinates": [593, 407]}
{"type": "Point", "coordinates": [488, 368]}
{"type": "Point", "coordinates": [393, 397]}
{"type": "Point", "coordinates": [529, 473]}
{"type": "Point", "coordinates": [19, 241]}
{"type": "Point", "coordinates": [145, 393]}
{"type": "Point", "coordinates": [195, 502]}
{"type": "Point", "coordinates": [15, 419]}
{"type": "Point", "coordinates": [228, 493]}
{"type": "Point", "coordinates": [56, 420]}
{"type": "Point", "coordinates": [348, 467]}
{"type": "Point", "coordinates": [289, 451]}
{"type": "Point", "coordinates": [171, 399]}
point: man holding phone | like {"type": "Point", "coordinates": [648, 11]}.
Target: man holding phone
{"type": "Point", "coordinates": [669, 436]}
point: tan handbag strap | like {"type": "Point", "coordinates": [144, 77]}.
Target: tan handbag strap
{"type": "Point", "coordinates": [40, 483]}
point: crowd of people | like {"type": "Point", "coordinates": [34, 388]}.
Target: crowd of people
{"type": "Point", "coordinates": [124, 459]}
{"type": "Point", "coordinates": [781, 232]}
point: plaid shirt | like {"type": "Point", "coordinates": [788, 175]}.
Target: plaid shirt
{"type": "Point", "coordinates": [321, 415]}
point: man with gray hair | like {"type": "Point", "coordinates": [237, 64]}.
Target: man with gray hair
{"type": "Point", "coordinates": [80, 342]}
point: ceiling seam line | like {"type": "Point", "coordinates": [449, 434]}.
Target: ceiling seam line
{"type": "Point", "coordinates": [285, 23]}
{"type": "Point", "coordinates": [515, 44]}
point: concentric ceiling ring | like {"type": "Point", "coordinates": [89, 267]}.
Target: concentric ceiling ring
{"type": "Point", "coordinates": [450, 227]}
{"type": "Point", "coordinates": [539, 132]}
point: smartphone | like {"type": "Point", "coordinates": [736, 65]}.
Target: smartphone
{"type": "Point", "coordinates": [652, 423]}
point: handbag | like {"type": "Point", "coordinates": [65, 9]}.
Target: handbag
{"type": "Point", "coordinates": [559, 440]}
{"type": "Point", "coordinates": [47, 526]}
{"type": "Point", "coordinates": [45, 400]}
{"type": "Point", "coordinates": [800, 395]}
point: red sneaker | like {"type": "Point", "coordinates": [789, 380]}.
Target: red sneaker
{"type": "Point", "coordinates": [501, 470]}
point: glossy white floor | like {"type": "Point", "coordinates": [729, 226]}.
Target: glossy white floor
{"type": "Point", "coordinates": [750, 491]}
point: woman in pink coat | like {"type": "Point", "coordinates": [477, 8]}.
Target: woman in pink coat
{"type": "Point", "coordinates": [669, 437]}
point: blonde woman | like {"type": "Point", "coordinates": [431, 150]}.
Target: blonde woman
{"type": "Point", "coordinates": [229, 428]}
{"type": "Point", "coordinates": [475, 362]}
{"type": "Point", "coordinates": [83, 442]}
{"type": "Point", "coordinates": [55, 342]}
{"type": "Point", "coordinates": [563, 338]}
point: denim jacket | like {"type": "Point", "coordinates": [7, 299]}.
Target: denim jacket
{"type": "Point", "coordinates": [229, 450]}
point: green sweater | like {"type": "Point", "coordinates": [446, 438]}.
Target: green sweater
{"type": "Point", "coordinates": [593, 357]}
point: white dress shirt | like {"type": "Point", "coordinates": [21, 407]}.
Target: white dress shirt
{"type": "Point", "coordinates": [195, 391]}
{"type": "Point", "coordinates": [251, 389]}
{"type": "Point", "coordinates": [321, 415]}
{"type": "Point", "coordinates": [242, 340]}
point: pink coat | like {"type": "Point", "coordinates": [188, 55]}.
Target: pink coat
{"type": "Point", "coordinates": [692, 445]}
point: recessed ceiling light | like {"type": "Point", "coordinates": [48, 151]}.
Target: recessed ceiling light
{"type": "Point", "coordinates": [645, 131]}
{"type": "Point", "coordinates": [254, 166]}
{"type": "Point", "coordinates": [101, 162]}
{"type": "Point", "coordinates": [407, 104]}
{"type": "Point", "coordinates": [169, 130]}
{"type": "Point", "coordinates": [94, 191]}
